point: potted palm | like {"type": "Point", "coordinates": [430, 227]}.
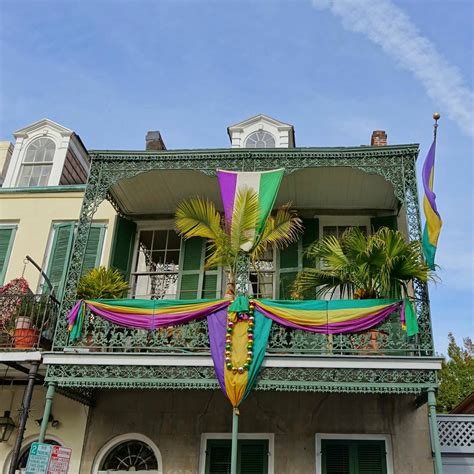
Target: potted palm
{"type": "Point", "coordinates": [359, 266]}
{"type": "Point", "coordinates": [198, 217]}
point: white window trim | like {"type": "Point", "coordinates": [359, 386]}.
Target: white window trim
{"type": "Point", "coordinates": [210, 436]}
{"type": "Point", "coordinates": [107, 447]}
{"type": "Point", "coordinates": [362, 437]}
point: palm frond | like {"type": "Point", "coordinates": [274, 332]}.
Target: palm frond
{"type": "Point", "coordinates": [244, 219]}
{"type": "Point", "coordinates": [198, 217]}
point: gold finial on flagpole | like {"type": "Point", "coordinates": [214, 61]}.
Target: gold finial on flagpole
{"type": "Point", "coordinates": [436, 117]}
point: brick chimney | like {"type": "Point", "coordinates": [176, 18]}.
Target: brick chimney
{"type": "Point", "coordinates": [379, 138]}
{"type": "Point", "coordinates": [154, 141]}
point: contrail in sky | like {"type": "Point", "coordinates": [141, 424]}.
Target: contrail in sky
{"type": "Point", "coordinates": [387, 25]}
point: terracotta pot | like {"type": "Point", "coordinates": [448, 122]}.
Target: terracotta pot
{"type": "Point", "coordinates": [26, 338]}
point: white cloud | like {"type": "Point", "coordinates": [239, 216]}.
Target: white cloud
{"type": "Point", "coordinates": [389, 27]}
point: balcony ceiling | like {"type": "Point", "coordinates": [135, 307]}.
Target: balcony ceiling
{"type": "Point", "coordinates": [158, 191]}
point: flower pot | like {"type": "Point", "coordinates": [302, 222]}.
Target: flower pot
{"type": "Point", "coordinates": [26, 338]}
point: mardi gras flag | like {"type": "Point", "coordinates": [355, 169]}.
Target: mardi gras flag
{"type": "Point", "coordinates": [433, 220]}
{"type": "Point", "coordinates": [264, 183]}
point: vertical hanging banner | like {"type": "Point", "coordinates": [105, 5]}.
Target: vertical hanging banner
{"type": "Point", "coordinates": [433, 219]}
{"type": "Point", "coordinates": [264, 183]}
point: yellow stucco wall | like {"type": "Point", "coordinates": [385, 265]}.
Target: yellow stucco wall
{"type": "Point", "coordinates": [72, 418]}
{"type": "Point", "coordinates": [35, 213]}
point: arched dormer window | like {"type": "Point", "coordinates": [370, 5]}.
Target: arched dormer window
{"type": "Point", "coordinates": [260, 139]}
{"type": "Point", "coordinates": [37, 163]}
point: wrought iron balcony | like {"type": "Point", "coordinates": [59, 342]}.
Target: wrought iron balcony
{"type": "Point", "coordinates": [388, 339]}
{"type": "Point", "coordinates": [27, 321]}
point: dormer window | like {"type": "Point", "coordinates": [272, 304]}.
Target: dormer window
{"type": "Point", "coordinates": [260, 139]}
{"type": "Point", "coordinates": [37, 163]}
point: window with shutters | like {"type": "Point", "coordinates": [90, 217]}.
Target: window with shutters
{"type": "Point", "coordinates": [62, 238]}
{"type": "Point", "coordinates": [7, 236]}
{"type": "Point", "coordinates": [252, 456]}
{"type": "Point", "coordinates": [353, 456]}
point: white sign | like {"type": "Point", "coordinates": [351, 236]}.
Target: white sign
{"type": "Point", "coordinates": [48, 459]}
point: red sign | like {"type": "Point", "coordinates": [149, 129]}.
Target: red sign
{"type": "Point", "coordinates": [59, 461]}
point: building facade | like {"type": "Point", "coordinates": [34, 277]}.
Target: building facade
{"type": "Point", "coordinates": [323, 403]}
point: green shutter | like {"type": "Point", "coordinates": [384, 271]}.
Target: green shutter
{"type": "Point", "coordinates": [7, 234]}
{"type": "Point", "coordinates": [63, 236]}
{"type": "Point", "coordinates": [195, 283]}
{"type": "Point", "coordinates": [94, 247]}
{"type": "Point", "coordinates": [384, 221]}
{"type": "Point", "coordinates": [311, 234]}
{"type": "Point", "coordinates": [286, 284]}
{"type": "Point", "coordinates": [289, 256]}
{"type": "Point", "coordinates": [192, 264]}
{"type": "Point", "coordinates": [353, 457]}
{"type": "Point", "coordinates": [123, 241]}
{"type": "Point", "coordinates": [252, 456]}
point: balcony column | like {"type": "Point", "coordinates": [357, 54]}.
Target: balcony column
{"type": "Point", "coordinates": [435, 445]}
{"type": "Point", "coordinates": [47, 411]}
{"type": "Point", "coordinates": [24, 411]}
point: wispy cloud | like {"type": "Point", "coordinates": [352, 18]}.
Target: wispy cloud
{"type": "Point", "coordinates": [389, 27]}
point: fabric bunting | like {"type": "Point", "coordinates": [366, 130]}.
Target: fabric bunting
{"type": "Point", "coordinates": [327, 317]}
{"type": "Point", "coordinates": [264, 183]}
{"type": "Point", "coordinates": [433, 219]}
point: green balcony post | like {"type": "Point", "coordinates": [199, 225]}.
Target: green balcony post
{"type": "Point", "coordinates": [235, 441]}
{"type": "Point", "coordinates": [434, 431]}
{"type": "Point", "coordinates": [47, 411]}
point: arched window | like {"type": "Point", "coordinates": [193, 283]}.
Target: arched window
{"type": "Point", "coordinates": [132, 452]}
{"type": "Point", "coordinates": [37, 163]}
{"type": "Point", "coordinates": [260, 139]}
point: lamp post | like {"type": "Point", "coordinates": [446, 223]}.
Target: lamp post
{"type": "Point", "coordinates": [7, 425]}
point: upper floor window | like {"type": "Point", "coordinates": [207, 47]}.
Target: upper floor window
{"type": "Point", "coordinates": [37, 163]}
{"type": "Point", "coordinates": [260, 139]}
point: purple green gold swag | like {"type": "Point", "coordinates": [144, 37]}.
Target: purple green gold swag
{"type": "Point", "coordinates": [239, 329]}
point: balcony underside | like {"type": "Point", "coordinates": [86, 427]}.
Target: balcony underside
{"type": "Point", "coordinates": [332, 189]}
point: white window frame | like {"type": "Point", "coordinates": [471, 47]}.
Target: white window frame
{"type": "Point", "coordinates": [112, 443]}
{"type": "Point", "coordinates": [355, 437]}
{"type": "Point", "coordinates": [270, 437]}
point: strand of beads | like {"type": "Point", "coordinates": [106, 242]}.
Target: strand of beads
{"type": "Point", "coordinates": [228, 341]}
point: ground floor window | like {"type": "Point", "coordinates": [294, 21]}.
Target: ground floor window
{"type": "Point", "coordinates": [126, 453]}
{"type": "Point", "coordinates": [252, 457]}
{"type": "Point", "coordinates": [353, 456]}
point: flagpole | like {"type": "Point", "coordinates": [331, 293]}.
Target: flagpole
{"type": "Point", "coordinates": [436, 117]}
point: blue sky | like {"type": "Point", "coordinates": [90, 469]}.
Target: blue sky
{"type": "Point", "coordinates": [335, 70]}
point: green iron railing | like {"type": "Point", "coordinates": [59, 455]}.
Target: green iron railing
{"type": "Point", "coordinates": [387, 338]}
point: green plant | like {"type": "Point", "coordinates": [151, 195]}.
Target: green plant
{"type": "Point", "coordinates": [102, 283]}
{"type": "Point", "coordinates": [199, 218]}
{"type": "Point", "coordinates": [362, 266]}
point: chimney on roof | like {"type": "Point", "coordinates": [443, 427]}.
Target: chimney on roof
{"type": "Point", "coordinates": [154, 141]}
{"type": "Point", "coordinates": [379, 138]}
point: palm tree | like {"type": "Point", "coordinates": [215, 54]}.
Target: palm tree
{"type": "Point", "coordinates": [380, 265]}
{"type": "Point", "coordinates": [227, 242]}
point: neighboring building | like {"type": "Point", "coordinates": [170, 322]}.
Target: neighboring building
{"type": "Point", "coordinates": [44, 176]}
{"type": "Point", "coordinates": [323, 403]}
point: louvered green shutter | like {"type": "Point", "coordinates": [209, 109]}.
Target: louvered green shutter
{"type": "Point", "coordinates": [291, 259]}
{"type": "Point", "coordinates": [384, 221]}
{"type": "Point", "coordinates": [353, 457]}
{"type": "Point", "coordinates": [63, 236]}
{"type": "Point", "coordinates": [371, 457]}
{"type": "Point", "coordinates": [252, 456]}
{"type": "Point", "coordinates": [7, 234]}
{"type": "Point", "coordinates": [192, 263]}
{"type": "Point", "coordinates": [123, 242]}
{"type": "Point", "coordinates": [94, 247]}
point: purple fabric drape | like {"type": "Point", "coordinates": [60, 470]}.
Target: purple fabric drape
{"type": "Point", "coordinates": [217, 326]}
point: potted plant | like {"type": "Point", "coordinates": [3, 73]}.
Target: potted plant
{"type": "Point", "coordinates": [101, 283]}
{"type": "Point", "coordinates": [381, 265]}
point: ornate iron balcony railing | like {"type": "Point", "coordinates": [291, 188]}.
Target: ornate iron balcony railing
{"type": "Point", "coordinates": [27, 321]}
{"type": "Point", "coordinates": [388, 338]}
